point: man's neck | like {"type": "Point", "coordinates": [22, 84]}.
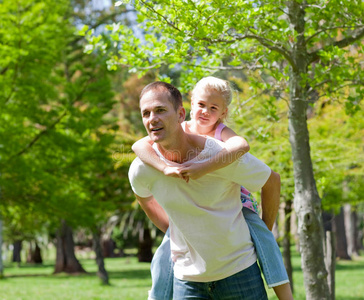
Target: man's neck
{"type": "Point", "coordinates": [184, 148]}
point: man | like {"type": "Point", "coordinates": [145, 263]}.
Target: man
{"type": "Point", "coordinates": [211, 247]}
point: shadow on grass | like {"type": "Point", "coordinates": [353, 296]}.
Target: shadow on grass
{"type": "Point", "coordinates": [350, 298]}
{"type": "Point", "coordinates": [29, 266]}
{"type": "Point", "coordinates": [351, 267]}
{"type": "Point", "coordinates": [127, 274]}
{"type": "Point", "coordinates": [130, 274]}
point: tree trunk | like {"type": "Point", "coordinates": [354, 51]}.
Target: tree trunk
{"type": "Point", "coordinates": [359, 231]}
{"type": "Point", "coordinates": [307, 202]}
{"type": "Point", "coordinates": [350, 219]}
{"type": "Point", "coordinates": [341, 244]}
{"type": "Point", "coordinates": [108, 248]}
{"type": "Point", "coordinates": [34, 255]}
{"type": "Point", "coordinates": [17, 251]}
{"type": "Point", "coordinates": [37, 255]}
{"type": "Point", "coordinates": [287, 241]}
{"type": "Point", "coordinates": [330, 260]}
{"type": "Point", "coordinates": [66, 260]}
{"type": "Point", "coordinates": [1, 249]}
{"type": "Point", "coordinates": [330, 251]}
{"type": "Point", "coordinates": [102, 273]}
{"type": "Point", "coordinates": [145, 253]}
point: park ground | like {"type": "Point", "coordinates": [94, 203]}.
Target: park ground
{"type": "Point", "coordinates": [131, 280]}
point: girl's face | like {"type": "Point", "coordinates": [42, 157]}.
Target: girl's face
{"type": "Point", "coordinates": [208, 107]}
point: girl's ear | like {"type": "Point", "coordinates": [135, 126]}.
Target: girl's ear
{"type": "Point", "coordinates": [224, 114]}
{"type": "Point", "coordinates": [225, 111]}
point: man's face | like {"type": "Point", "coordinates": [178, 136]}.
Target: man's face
{"type": "Point", "coordinates": [159, 116]}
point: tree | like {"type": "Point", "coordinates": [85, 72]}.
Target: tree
{"type": "Point", "coordinates": [307, 50]}
{"type": "Point", "coordinates": [1, 249]}
{"type": "Point", "coordinates": [56, 136]}
{"type": "Point", "coordinates": [22, 29]}
{"type": "Point", "coordinates": [66, 260]}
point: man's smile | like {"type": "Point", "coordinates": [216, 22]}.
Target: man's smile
{"type": "Point", "coordinates": [156, 129]}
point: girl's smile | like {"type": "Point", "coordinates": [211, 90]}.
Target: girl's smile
{"type": "Point", "coordinates": [208, 108]}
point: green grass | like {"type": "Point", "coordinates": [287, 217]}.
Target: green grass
{"type": "Point", "coordinates": [131, 280]}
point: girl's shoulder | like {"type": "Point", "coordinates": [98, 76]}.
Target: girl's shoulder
{"type": "Point", "coordinates": [219, 128]}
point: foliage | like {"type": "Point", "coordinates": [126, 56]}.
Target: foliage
{"type": "Point", "coordinates": [205, 38]}
{"type": "Point", "coordinates": [336, 141]}
{"type": "Point", "coordinates": [56, 135]}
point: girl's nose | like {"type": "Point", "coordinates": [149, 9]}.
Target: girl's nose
{"type": "Point", "coordinates": [205, 111]}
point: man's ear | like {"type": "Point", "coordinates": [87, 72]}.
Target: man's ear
{"type": "Point", "coordinates": [181, 114]}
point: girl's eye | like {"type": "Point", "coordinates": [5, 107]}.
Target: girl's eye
{"type": "Point", "coordinates": [214, 108]}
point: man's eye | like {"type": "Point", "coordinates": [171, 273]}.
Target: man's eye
{"type": "Point", "coordinates": [145, 114]}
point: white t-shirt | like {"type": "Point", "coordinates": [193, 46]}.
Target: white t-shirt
{"type": "Point", "coordinates": [210, 239]}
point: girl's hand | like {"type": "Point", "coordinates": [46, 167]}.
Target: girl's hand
{"type": "Point", "coordinates": [195, 170]}
{"type": "Point", "coordinates": [175, 172]}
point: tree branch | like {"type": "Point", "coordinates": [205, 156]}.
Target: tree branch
{"type": "Point", "coordinates": [100, 22]}
{"type": "Point", "coordinates": [245, 67]}
{"type": "Point", "coordinates": [348, 83]}
{"type": "Point", "coordinates": [341, 44]}
{"type": "Point", "coordinates": [328, 29]}
{"type": "Point", "coordinates": [59, 119]}
{"type": "Point", "coordinates": [38, 136]}
{"type": "Point", "coordinates": [3, 71]}
{"type": "Point", "coordinates": [160, 15]}
{"type": "Point", "coordinates": [263, 41]}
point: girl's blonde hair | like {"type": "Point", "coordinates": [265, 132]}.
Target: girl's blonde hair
{"type": "Point", "coordinates": [219, 85]}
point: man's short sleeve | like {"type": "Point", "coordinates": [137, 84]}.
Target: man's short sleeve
{"type": "Point", "coordinates": [138, 180]}
{"type": "Point", "coordinates": [249, 172]}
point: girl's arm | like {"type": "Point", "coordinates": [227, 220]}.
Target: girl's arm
{"type": "Point", "coordinates": [235, 147]}
{"type": "Point", "coordinates": [144, 150]}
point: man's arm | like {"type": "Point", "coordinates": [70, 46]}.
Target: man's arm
{"type": "Point", "coordinates": [154, 212]}
{"type": "Point", "coordinates": [270, 196]}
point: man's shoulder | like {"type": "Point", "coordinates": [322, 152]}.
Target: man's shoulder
{"type": "Point", "coordinates": [138, 167]}
{"type": "Point", "coordinates": [140, 176]}
{"type": "Point", "coordinates": [136, 163]}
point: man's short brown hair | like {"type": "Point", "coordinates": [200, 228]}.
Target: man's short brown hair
{"type": "Point", "coordinates": [174, 94]}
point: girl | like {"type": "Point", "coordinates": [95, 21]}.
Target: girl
{"type": "Point", "coordinates": [209, 106]}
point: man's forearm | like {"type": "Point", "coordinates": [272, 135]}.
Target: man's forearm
{"type": "Point", "coordinates": [270, 197]}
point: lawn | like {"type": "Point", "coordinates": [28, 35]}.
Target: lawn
{"type": "Point", "coordinates": [130, 280]}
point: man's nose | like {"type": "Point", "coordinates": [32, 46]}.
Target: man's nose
{"type": "Point", "coordinates": [153, 117]}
